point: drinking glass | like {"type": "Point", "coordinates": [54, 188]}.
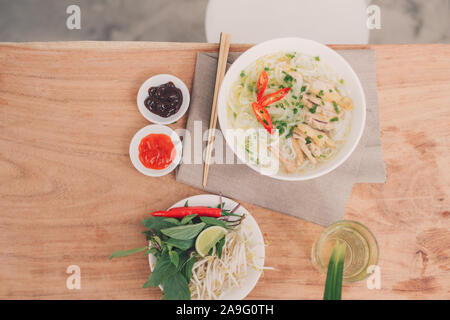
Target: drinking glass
{"type": "Point", "coordinates": [361, 249]}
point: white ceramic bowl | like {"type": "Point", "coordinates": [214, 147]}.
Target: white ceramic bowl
{"type": "Point", "coordinates": [134, 149]}
{"type": "Point", "coordinates": [335, 61]}
{"type": "Point", "coordinates": [157, 81]}
{"type": "Point", "coordinates": [256, 242]}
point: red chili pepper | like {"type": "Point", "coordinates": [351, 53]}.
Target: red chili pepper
{"type": "Point", "coordinates": [261, 113]}
{"type": "Point", "coordinates": [274, 97]}
{"type": "Point", "coordinates": [261, 85]}
{"type": "Point", "coordinates": [263, 117]}
{"type": "Point", "coordinates": [182, 212]}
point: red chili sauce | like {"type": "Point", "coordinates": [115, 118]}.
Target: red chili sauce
{"type": "Point", "coordinates": [156, 151]}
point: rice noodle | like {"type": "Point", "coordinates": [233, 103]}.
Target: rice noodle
{"type": "Point", "coordinates": [303, 68]}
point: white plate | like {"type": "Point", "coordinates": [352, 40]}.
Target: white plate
{"type": "Point", "coordinates": [134, 149]}
{"type": "Point", "coordinates": [335, 61]}
{"type": "Point", "coordinates": [257, 242]}
{"type": "Point", "coordinates": [157, 81]}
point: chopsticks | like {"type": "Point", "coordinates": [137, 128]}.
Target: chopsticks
{"type": "Point", "coordinates": [221, 67]}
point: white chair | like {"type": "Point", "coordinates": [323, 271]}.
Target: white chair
{"type": "Point", "coordinates": [253, 21]}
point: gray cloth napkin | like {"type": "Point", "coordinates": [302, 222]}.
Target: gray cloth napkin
{"type": "Point", "coordinates": [322, 200]}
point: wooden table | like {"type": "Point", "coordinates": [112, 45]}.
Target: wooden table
{"type": "Point", "coordinates": [70, 196]}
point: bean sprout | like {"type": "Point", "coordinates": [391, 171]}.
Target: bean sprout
{"type": "Point", "coordinates": [212, 276]}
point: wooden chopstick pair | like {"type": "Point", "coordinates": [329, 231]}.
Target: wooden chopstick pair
{"type": "Point", "coordinates": [221, 67]}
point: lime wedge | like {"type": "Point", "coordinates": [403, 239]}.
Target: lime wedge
{"type": "Point", "coordinates": [208, 239]}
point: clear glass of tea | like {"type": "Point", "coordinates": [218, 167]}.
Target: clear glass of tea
{"type": "Point", "coordinates": [361, 249]}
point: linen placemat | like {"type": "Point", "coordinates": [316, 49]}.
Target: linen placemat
{"type": "Point", "coordinates": [322, 200]}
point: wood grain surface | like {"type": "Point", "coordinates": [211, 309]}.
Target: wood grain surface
{"type": "Point", "coordinates": [69, 194]}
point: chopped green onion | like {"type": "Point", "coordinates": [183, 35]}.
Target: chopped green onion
{"type": "Point", "coordinates": [317, 58]}
{"type": "Point", "coordinates": [308, 140]}
{"type": "Point", "coordinates": [242, 74]}
{"type": "Point", "coordinates": [335, 107]}
{"type": "Point", "coordinates": [288, 77]}
{"type": "Point", "coordinates": [334, 119]}
{"type": "Point", "coordinates": [290, 55]}
{"type": "Point", "coordinates": [291, 132]}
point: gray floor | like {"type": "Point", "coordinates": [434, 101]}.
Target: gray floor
{"type": "Point", "coordinates": [402, 21]}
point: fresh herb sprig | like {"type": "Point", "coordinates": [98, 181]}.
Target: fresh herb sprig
{"type": "Point", "coordinates": [172, 242]}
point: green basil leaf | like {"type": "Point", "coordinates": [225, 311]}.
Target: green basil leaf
{"type": "Point", "coordinates": [219, 247]}
{"type": "Point", "coordinates": [184, 256]}
{"type": "Point", "coordinates": [148, 234]}
{"type": "Point", "coordinates": [176, 288]}
{"type": "Point", "coordinates": [188, 218]}
{"type": "Point", "coordinates": [185, 232]}
{"type": "Point", "coordinates": [181, 244]}
{"type": "Point", "coordinates": [214, 222]}
{"type": "Point", "coordinates": [156, 223]}
{"type": "Point", "coordinates": [124, 253]}
{"type": "Point", "coordinates": [187, 268]}
{"type": "Point", "coordinates": [172, 221]}
{"type": "Point", "coordinates": [164, 269]}
{"type": "Point", "coordinates": [174, 258]}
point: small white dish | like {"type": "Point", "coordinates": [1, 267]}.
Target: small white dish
{"type": "Point", "coordinates": [157, 81]}
{"type": "Point", "coordinates": [134, 149]}
{"type": "Point", "coordinates": [256, 242]}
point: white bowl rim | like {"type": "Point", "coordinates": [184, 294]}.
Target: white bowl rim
{"type": "Point", "coordinates": [134, 152]}
{"type": "Point", "coordinates": [253, 50]}
{"type": "Point", "coordinates": [157, 80]}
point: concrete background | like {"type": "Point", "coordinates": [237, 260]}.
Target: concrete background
{"type": "Point", "coordinates": [402, 21]}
